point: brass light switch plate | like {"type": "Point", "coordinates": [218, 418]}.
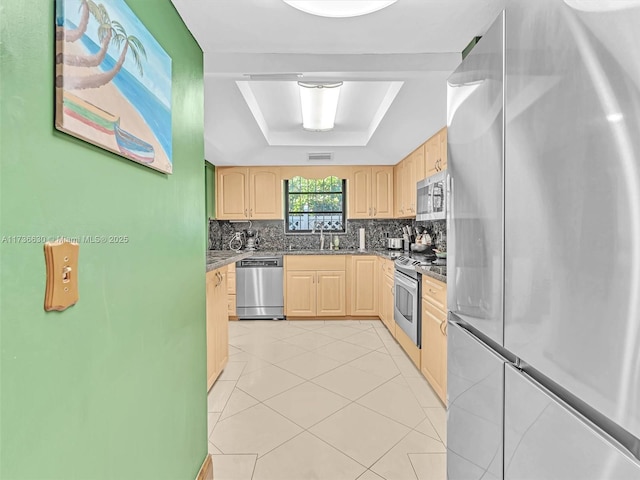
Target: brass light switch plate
{"type": "Point", "coordinates": [62, 275]}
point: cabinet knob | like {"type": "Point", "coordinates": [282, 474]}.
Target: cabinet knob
{"type": "Point", "coordinates": [245, 212]}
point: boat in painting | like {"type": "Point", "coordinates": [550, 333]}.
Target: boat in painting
{"type": "Point", "coordinates": [132, 147]}
{"type": "Point", "coordinates": [89, 114]}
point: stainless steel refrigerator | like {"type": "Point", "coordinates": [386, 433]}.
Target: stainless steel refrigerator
{"type": "Point", "coordinates": [544, 246]}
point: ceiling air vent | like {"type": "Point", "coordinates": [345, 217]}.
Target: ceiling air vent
{"type": "Point", "coordinates": [320, 156]}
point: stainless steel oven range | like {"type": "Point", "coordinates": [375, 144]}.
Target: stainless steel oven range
{"type": "Point", "coordinates": [407, 297]}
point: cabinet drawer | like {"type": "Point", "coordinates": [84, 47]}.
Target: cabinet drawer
{"type": "Point", "coordinates": [316, 262]}
{"type": "Point", "coordinates": [434, 311]}
{"type": "Point", "coordinates": [434, 292]}
{"type": "Point", "coordinates": [387, 267]}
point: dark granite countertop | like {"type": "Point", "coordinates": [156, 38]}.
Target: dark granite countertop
{"type": "Point", "coordinates": [434, 271]}
{"type": "Point", "coordinates": [220, 258]}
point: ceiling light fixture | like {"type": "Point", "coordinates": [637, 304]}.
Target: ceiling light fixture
{"type": "Point", "coordinates": [273, 76]}
{"type": "Point", "coordinates": [339, 8]}
{"type": "Point", "coordinates": [319, 105]}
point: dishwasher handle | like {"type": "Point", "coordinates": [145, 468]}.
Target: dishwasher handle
{"type": "Point", "coordinates": [260, 262]}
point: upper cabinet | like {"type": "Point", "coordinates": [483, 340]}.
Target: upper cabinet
{"type": "Point", "coordinates": [436, 153]}
{"type": "Point", "coordinates": [249, 193]}
{"type": "Point", "coordinates": [370, 192]}
{"type": "Point", "coordinates": [408, 172]}
{"type": "Point", "coordinates": [265, 194]}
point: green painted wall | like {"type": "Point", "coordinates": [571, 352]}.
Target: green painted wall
{"type": "Point", "coordinates": [210, 186]}
{"type": "Point", "coordinates": [114, 387]}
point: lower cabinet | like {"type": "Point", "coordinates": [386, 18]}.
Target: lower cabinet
{"type": "Point", "coordinates": [434, 336]}
{"type": "Point", "coordinates": [315, 285]}
{"type": "Point", "coordinates": [331, 300]}
{"type": "Point", "coordinates": [300, 293]}
{"type": "Point", "coordinates": [231, 289]}
{"type": "Point", "coordinates": [386, 295]}
{"type": "Point", "coordinates": [217, 323]}
{"type": "Point", "coordinates": [364, 285]}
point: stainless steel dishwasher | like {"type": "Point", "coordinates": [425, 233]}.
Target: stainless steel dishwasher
{"type": "Point", "coordinates": [260, 288]}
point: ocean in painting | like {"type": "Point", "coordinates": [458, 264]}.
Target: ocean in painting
{"type": "Point", "coordinates": [155, 113]}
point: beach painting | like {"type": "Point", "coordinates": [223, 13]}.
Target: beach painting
{"type": "Point", "coordinates": [113, 81]}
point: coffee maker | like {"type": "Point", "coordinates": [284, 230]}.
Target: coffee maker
{"type": "Point", "coordinates": [250, 240]}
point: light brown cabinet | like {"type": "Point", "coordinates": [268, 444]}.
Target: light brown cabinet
{"type": "Point", "coordinates": [315, 285]}
{"type": "Point", "coordinates": [217, 323]}
{"type": "Point", "coordinates": [386, 294]}
{"type": "Point", "coordinates": [398, 198]}
{"type": "Point", "coordinates": [370, 192]}
{"type": "Point", "coordinates": [331, 293]}
{"type": "Point", "coordinates": [434, 335]}
{"type": "Point", "coordinates": [300, 293]}
{"type": "Point", "coordinates": [364, 285]}
{"type": "Point", "coordinates": [231, 289]}
{"type": "Point", "coordinates": [249, 193]}
{"type": "Point", "coordinates": [436, 153]}
{"type": "Point", "coordinates": [408, 172]}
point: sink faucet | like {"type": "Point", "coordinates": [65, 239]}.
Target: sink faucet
{"type": "Point", "coordinates": [321, 225]}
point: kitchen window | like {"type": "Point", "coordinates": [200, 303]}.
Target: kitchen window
{"type": "Point", "coordinates": [312, 204]}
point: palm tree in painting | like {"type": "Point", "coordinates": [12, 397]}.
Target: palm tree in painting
{"type": "Point", "coordinates": [121, 40]}
{"type": "Point", "coordinates": [86, 7]}
{"type": "Point", "coordinates": [105, 32]}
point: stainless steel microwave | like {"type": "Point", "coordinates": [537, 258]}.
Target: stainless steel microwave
{"type": "Point", "coordinates": [431, 198]}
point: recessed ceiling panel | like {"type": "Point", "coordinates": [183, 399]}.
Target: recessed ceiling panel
{"type": "Point", "coordinates": [275, 106]}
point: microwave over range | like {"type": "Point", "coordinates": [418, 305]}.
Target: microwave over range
{"type": "Point", "coordinates": [432, 197]}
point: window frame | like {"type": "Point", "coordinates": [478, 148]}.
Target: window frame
{"type": "Point", "coordinates": [287, 213]}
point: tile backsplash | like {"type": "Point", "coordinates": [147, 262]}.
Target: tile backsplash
{"type": "Point", "coordinates": [273, 237]}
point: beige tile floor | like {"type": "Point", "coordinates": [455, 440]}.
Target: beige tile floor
{"type": "Point", "coordinates": [335, 400]}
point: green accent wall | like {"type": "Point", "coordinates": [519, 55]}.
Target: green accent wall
{"type": "Point", "coordinates": [210, 186]}
{"type": "Point", "coordinates": [115, 386]}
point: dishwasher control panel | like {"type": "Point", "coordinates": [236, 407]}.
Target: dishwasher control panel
{"type": "Point", "coordinates": [258, 262]}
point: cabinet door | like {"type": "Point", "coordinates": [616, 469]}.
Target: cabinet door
{"type": "Point", "coordinates": [360, 205]}
{"type": "Point", "coordinates": [442, 139]}
{"type": "Point", "coordinates": [300, 294]}
{"type": "Point", "coordinates": [387, 300]}
{"type": "Point", "coordinates": [432, 155]}
{"type": "Point", "coordinates": [265, 194]}
{"type": "Point", "coordinates": [331, 297]}
{"type": "Point", "coordinates": [409, 189]}
{"type": "Point", "coordinates": [231, 279]}
{"type": "Point", "coordinates": [398, 206]}
{"type": "Point", "coordinates": [433, 361]}
{"type": "Point", "coordinates": [211, 328]}
{"type": "Point", "coordinates": [418, 160]}
{"type": "Point", "coordinates": [222, 321]}
{"type": "Point", "coordinates": [232, 193]}
{"type": "Point", "coordinates": [364, 290]}
{"type": "Point", "coordinates": [382, 191]}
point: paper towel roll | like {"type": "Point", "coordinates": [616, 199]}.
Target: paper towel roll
{"type": "Point", "coordinates": [361, 238]}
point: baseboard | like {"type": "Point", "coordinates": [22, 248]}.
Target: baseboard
{"type": "Point", "coordinates": [347, 317]}
{"type": "Point", "coordinates": [206, 470]}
